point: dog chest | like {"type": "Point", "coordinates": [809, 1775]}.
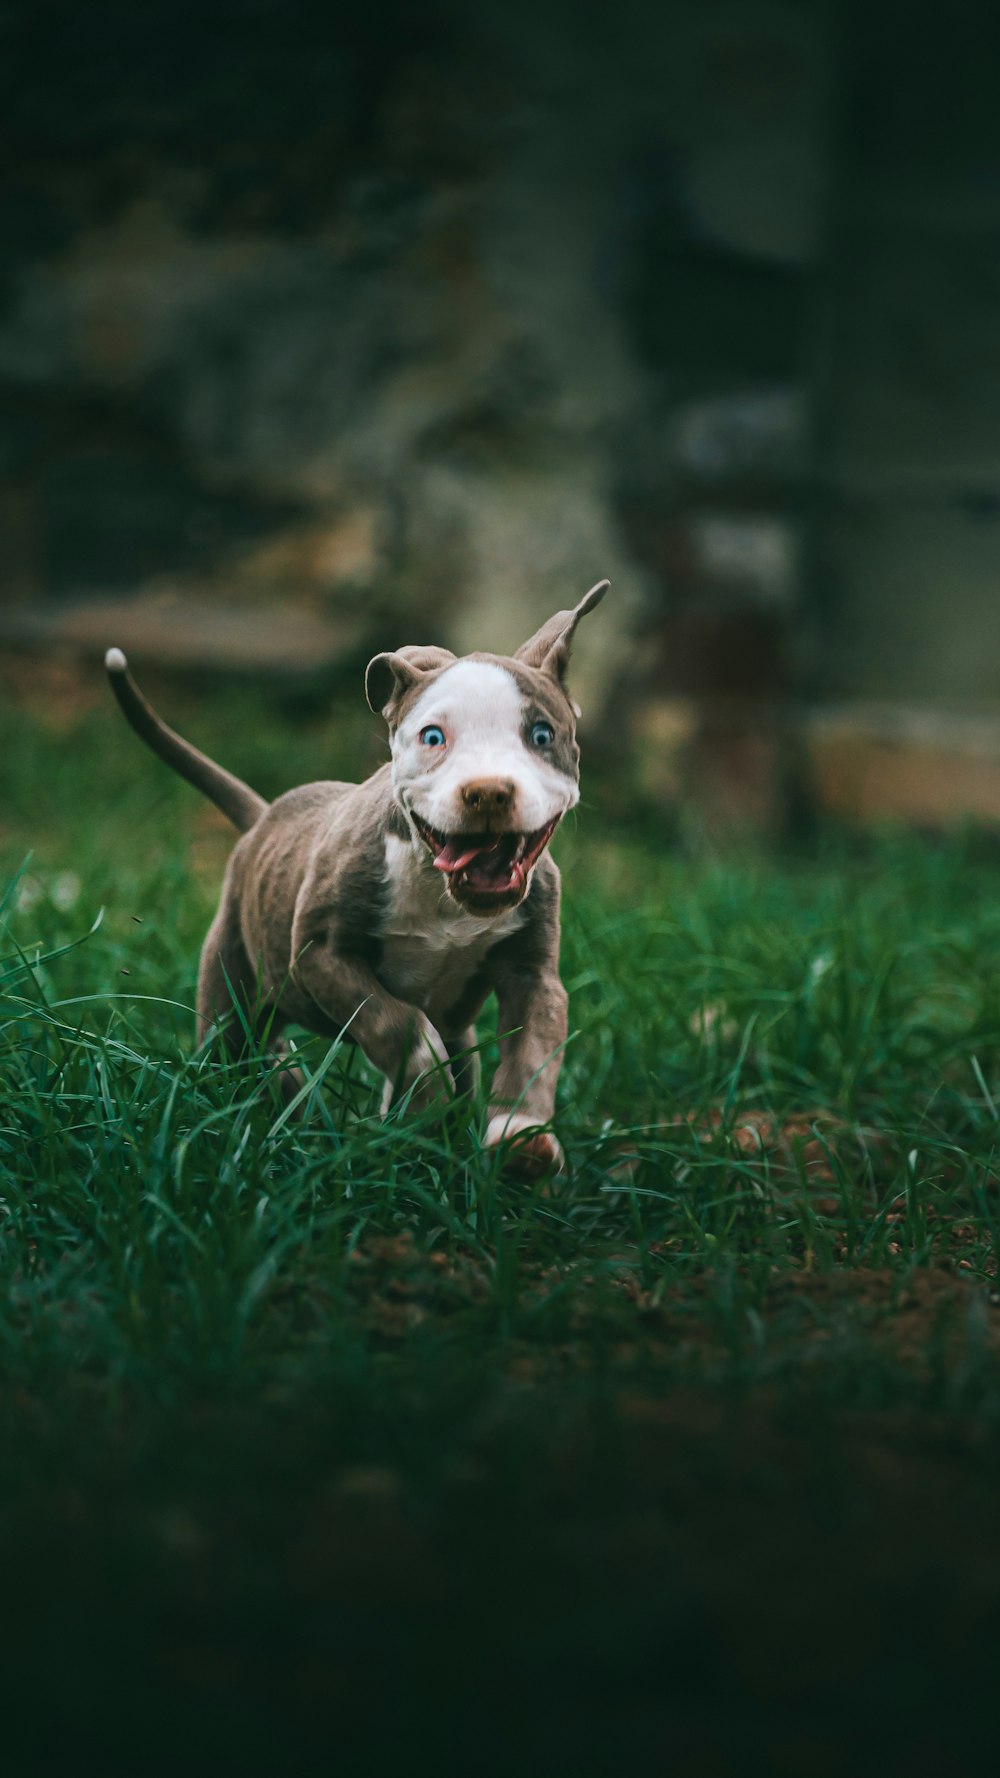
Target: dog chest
{"type": "Point", "coordinates": [431, 976]}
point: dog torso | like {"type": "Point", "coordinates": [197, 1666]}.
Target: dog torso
{"type": "Point", "coordinates": [328, 860]}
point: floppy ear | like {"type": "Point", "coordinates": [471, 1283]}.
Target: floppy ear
{"type": "Point", "coordinates": [389, 676]}
{"type": "Point", "coordinates": [549, 648]}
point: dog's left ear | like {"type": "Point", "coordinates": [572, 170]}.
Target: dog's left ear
{"type": "Point", "coordinates": [549, 648]}
{"type": "Point", "coordinates": [390, 676]}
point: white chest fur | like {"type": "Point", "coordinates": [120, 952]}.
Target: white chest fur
{"type": "Point", "coordinates": [431, 947]}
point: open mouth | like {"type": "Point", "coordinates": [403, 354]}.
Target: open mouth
{"type": "Point", "coordinates": [487, 863]}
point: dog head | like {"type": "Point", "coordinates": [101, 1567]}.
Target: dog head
{"type": "Point", "coordinates": [485, 761]}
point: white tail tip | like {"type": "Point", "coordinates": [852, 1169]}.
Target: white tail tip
{"type": "Point", "coordinates": [115, 661]}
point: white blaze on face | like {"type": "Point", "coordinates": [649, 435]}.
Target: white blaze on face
{"type": "Point", "coordinates": [481, 711]}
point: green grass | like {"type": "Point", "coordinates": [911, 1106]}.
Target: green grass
{"type": "Point", "coordinates": [320, 1435]}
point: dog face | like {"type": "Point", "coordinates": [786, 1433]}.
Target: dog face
{"type": "Point", "coordinates": [485, 761]}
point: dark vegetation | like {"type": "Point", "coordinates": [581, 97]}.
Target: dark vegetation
{"type": "Point", "coordinates": [320, 1442]}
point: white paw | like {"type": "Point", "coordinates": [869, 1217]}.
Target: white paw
{"type": "Point", "coordinates": [528, 1150]}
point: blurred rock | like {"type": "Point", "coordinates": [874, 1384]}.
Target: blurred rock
{"type": "Point", "coordinates": [876, 762]}
{"type": "Point", "coordinates": [410, 330]}
{"type": "Point", "coordinates": [410, 326]}
{"type": "Point", "coordinates": [177, 629]}
{"type": "Point", "coordinates": [339, 557]}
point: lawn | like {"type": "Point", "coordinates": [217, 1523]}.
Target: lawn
{"type": "Point", "coordinates": [323, 1443]}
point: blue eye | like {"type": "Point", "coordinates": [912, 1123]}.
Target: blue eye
{"type": "Point", "coordinates": [542, 734]}
{"type": "Point", "coordinates": [432, 736]}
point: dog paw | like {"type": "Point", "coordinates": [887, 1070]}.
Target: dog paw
{"type": "Point", "coordinates": [528, 1152]}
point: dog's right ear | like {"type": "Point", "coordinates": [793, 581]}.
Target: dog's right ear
{"type": "Point", "coordinates": [390, 676]}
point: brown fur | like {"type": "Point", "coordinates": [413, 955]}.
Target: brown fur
{"type": "Point", "coordinates": [299, 934]}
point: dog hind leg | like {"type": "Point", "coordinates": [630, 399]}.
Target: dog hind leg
{"type": "Point", "coordinates": [230, 999]}
{"type": "Point", "coordinates": [227, 984]}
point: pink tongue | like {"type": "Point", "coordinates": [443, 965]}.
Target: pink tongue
{"type": "Point", "coordinates": [457, 853]}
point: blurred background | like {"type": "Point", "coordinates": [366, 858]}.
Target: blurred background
{"type": "Point", "coordinates": [327, 329]}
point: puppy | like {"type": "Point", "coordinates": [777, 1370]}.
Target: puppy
{"type": "Point", "coordinates": [391, 909]}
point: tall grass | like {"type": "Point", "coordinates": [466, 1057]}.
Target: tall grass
{"type": "Point", "coordinates": [298, 1416]}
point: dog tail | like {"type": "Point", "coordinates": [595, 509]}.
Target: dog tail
{"type": "Point", "coordinates": [238, 802]}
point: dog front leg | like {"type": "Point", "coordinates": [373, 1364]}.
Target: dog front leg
{"type": "Point", "coordinates": [397, 1038]}
{"type": "Point", "coordinates": [532, 1019]}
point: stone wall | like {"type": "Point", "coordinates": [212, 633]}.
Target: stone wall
{"type": "Point", "coordinates": [432, 316]}
{"type": "Point", "coordinates": [321, 331]}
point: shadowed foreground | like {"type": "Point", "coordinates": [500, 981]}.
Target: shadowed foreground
{"type": "Point", "coordinates": [319, 1444]}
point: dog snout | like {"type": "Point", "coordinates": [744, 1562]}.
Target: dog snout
{"type": "Point", "coordinates": [488, 796]}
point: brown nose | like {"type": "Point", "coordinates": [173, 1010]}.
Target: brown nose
{"type": "Point", "coordinates": [488, 796]}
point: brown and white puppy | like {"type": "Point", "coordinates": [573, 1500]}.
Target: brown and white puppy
{"type": "Point", "coordinates": [393, 908]}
